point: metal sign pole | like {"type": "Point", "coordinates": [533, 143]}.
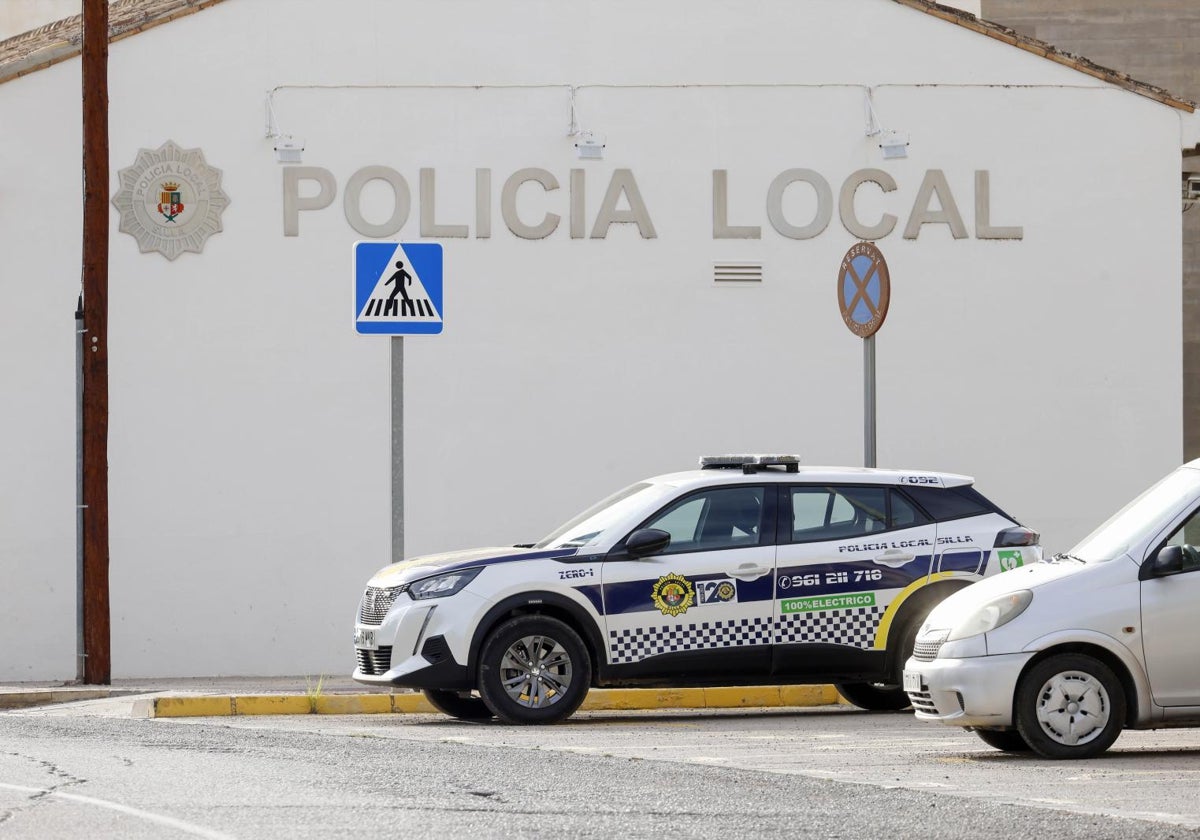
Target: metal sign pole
{"type": "Point", "coordinates": [397, 449]}
{"type": "Point", "coordinates": [864, 294]}
{"type": "Point", "coordinates": [869, 401]}
{"type": "Point", "coordinates": [397, 292]}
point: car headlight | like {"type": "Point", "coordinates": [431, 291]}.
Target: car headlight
{"type": "Point", "coordinates": [442, 586]}
{"type": "Point", "coordinates": [995, 613]}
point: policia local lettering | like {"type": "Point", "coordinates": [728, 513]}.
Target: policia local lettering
{"type": "Point", "coordinates": [623, 203]}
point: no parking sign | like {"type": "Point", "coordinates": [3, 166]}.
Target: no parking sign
{"type": "Point", "coordinates": [864, 289]}
{"type": "Point", "coordinates": [864, 292]}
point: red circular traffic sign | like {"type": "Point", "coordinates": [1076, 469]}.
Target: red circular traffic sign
{"type": "Point", "coordinates": [864, 289]}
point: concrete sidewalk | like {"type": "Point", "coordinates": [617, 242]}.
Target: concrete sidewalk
{"type": "Point", "coordinates": [212, 697]}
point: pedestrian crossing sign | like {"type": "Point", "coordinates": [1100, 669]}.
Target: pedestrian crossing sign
{"type": "Point", "coordinates": [397, 288]}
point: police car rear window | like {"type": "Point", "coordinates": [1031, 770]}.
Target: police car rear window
{"type": "Point", "coordinates": [944, 503]}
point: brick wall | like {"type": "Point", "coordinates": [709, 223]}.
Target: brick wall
{"type": "Point", "coordinates": [1155, 41]}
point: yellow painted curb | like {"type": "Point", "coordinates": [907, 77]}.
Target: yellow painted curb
{"type": "Point", "coordinates": [271, 704]}
{"type": "Point", "coordinates": [411, 704]}
{"type": "Point", "coordinates": [809, 695]}
{"type": "Point", "coordinates": [598, 699]}
{"type": "Point", "coordinates": [191, 706]}
{"type": "Point", "coordinates": [353, 704]}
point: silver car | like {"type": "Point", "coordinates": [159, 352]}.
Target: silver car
{"type": "Point", "coordinates": [1058, 657]}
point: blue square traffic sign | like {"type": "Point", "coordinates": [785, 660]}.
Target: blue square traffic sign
{"type": "Point", "coordinates": [398, 288]}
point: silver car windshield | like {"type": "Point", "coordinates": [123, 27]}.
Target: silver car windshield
{"type": "Point", "coordinates": [1141, 519]}
{"type": "Point", "coordinates": [589, 526]}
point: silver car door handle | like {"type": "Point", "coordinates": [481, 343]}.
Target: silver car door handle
{"type": "Point", "coordinates": [893, 559]}
{"type": "Point", "coordinates": [750, 571]}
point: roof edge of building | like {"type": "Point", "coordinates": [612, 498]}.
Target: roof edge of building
{"type": "Point", "coordinates": [1048, 51]}
{"type": "Point", "coordinates": [63, 39]}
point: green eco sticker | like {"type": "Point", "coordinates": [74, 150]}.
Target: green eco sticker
{"type": "Point", "coordinates": [828, 602]}
{"type": "Point", "coordinates": [1009, 560]}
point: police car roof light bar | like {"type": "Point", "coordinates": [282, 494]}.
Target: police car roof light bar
{"type": "Point", "coordinates": [750, 464]}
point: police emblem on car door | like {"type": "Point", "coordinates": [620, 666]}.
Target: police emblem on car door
{"type": "Point", "coordinates": [706, 597]}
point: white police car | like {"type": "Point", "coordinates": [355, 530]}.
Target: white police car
{"type": "Point", "coordinates": [750, 570]}
{"type": "Point", "coordinates": [1060, 657]}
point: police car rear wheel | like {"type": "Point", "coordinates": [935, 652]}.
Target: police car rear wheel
{"type": "Point", "coordinates": [875, 697]}
{"type": "Point", "coordinates": [534, 669]}
{"type": "Point", "coordinates": [1005, 740]}
{"type": "Point", "coordinates": [457, 704]}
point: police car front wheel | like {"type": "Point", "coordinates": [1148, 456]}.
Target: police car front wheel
{"type": "Point", "coordinates": [534, 669]}
{"type": "Point", "coordinates": [458, 704]}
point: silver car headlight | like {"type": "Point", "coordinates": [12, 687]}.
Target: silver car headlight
{"type": "Point", "coordinates": [995, 613]}
{"type": "Point", "coordinates": [442, 586]}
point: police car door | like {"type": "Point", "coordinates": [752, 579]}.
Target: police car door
{"type": "Point", "coordinates": [848, 555]}
{"type": "Point", "coordinates": [704, 602]}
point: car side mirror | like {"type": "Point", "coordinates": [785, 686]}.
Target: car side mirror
{"type": "Point", "coordinates": [647, 541]}
{"type": "Point", "coordinates": [1168, 561]}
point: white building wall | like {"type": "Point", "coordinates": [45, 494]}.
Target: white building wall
{"type": "Point", "coordinates": [250, 426]}
{"type": "Point", "coordinates": [18, 16]}
{"type": "Point", "coordinates": [39, 283]}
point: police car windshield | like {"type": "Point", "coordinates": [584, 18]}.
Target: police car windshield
{"type": "Point", "coordinates": [1145, 516]}
{"type": "Point", "coordinates": [588, 526]}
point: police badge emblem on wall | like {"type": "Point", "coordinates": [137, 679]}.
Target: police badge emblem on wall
{"type": "Point", "coordinates": [170, 200]}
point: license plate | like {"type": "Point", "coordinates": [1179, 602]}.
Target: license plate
{"type": "Point", "coordinates": [913, 681]}
{"type": "Point", "coordinates": [364, 637]}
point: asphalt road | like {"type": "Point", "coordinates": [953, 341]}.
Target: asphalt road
{"type": "Point", "coordinates": [806, 773]}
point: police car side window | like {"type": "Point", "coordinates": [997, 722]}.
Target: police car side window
{"type": "Point", "coordinates": [944, 503]}
{"type": "Point", "coordinates": [725, 517]}
{"type": "Point", "coordinates": [904, 514]}
{"type": "Point", "coordinates": [681, 522]}
{"type": "Point", "coordinates": [833, 513]}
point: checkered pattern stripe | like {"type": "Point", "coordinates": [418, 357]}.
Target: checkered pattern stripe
{"type": "Point", "coordinates": [636, 643]}
{"type": "Point", "coordinates": [855, 627]}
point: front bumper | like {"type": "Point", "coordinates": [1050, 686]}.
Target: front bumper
{"type": "Point", "coordinates": [977, 691]}
{"type": "Point", "coordinates": [420, 644]}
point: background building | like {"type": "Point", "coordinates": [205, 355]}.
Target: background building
{"type": "Point", "coordinates": [1033, 339]}
{"type": "Point", "coordinates": [1154, 41]}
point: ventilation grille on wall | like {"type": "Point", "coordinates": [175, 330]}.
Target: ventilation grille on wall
{"type": "Point", "coordinates": [737, 272]}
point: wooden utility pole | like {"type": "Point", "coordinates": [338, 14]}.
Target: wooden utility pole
{"type": "Point", "coordinates": [97, 669]}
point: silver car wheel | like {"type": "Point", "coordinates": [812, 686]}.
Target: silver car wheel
{"type": "Point", "coordinates": [1073, 708]}
{"type": "Point", "coordinates": [535, 671]}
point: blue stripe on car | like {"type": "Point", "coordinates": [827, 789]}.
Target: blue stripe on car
{"type": "Point", "coordinates": [838, 577]}
{"type": "Point", "coordinates": [592, 593]}
{"type": "Point", "coordinates": [548, 554]}
{"type": "Point", "coordinates": [634, 596]}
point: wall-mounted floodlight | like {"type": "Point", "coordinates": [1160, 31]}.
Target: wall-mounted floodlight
{"type": "Point", "coordinates": [589, 147]}
{"type": "Point", "coordinates": [288, 149]}
{"type": "Point", "coordinates": [893, 144]}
